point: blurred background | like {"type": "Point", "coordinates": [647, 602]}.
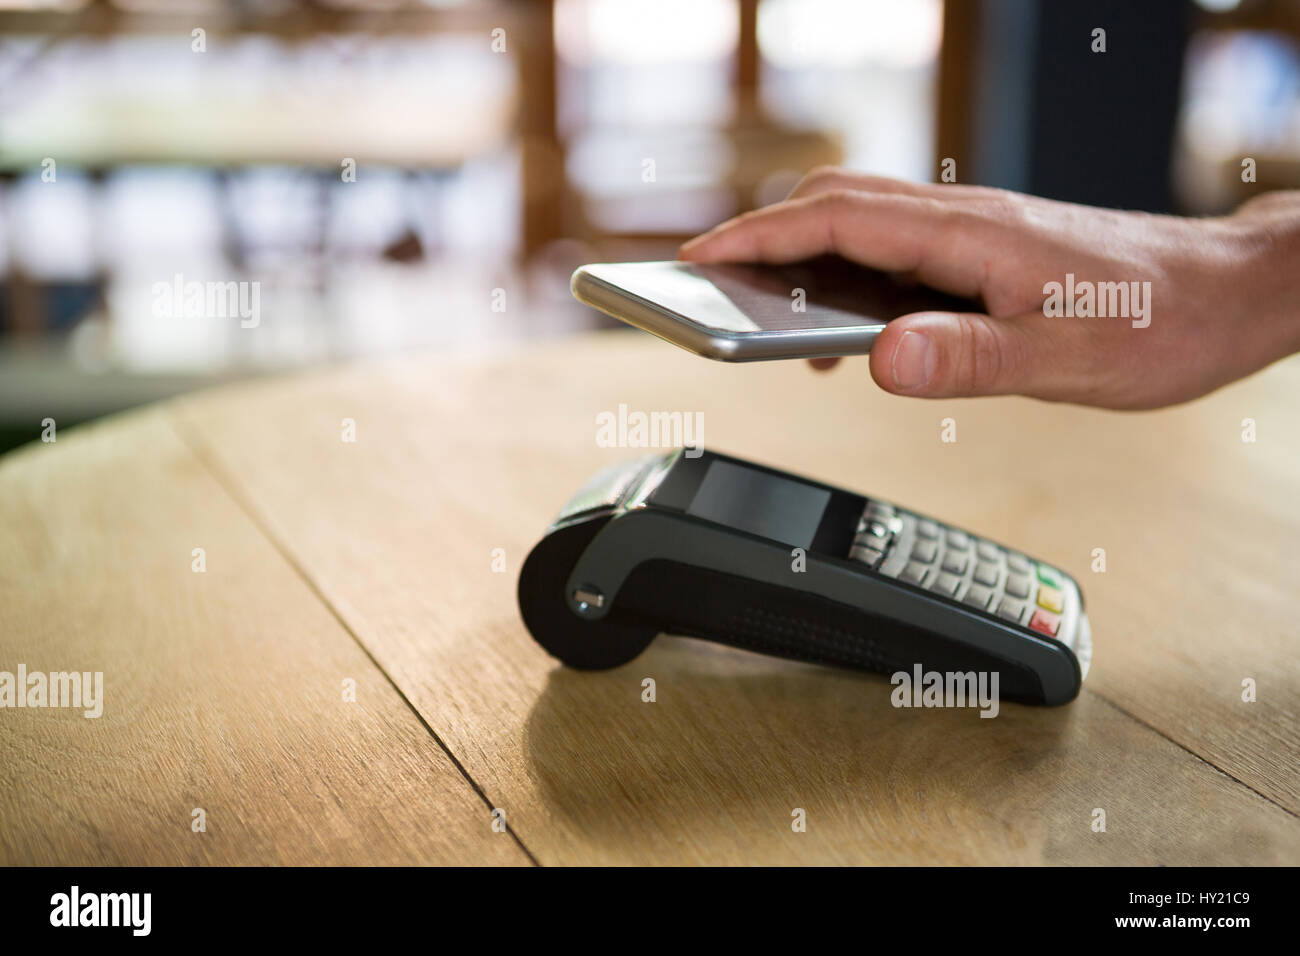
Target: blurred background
{"type": "Point", "coordinates": [424, 174]}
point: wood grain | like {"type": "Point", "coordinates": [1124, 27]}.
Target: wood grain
{"type": "Point", "coordinates": [223, 689]}
{"type": "Point", "coordinates": [453, 460]}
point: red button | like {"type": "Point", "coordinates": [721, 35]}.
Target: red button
{"type": "Point", "coordinates": [1045, 623]}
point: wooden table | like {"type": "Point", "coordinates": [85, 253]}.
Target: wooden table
{"type": "Point", "coordinates": [372, 561]}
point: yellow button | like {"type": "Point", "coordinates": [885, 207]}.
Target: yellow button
{"type": "Point", "coordinates": [1051, 599]}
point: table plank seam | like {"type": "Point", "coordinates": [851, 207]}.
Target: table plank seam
{"type": "Point", "coordinates": [1205, 760]}
{"type": "Point", "coordinates": [201, 452]}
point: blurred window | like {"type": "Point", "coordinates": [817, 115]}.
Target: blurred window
{"type": "Point", "coordinates": [863, 68]}
{"type": "Point", "coordinates": [1241, 100]}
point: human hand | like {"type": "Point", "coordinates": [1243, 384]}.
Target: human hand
{"type": "Point", "coordinates": [1223, 298]}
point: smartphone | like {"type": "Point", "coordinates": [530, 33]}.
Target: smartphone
{"type": "Point", "coordinates": [731, 312]}
{"type": "Point", "coordinates": [724, 549]}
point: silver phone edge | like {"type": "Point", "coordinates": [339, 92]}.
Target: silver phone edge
{"type": "Point", "coordinates": [719, 346]}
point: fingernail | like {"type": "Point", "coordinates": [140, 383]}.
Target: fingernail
{"type": "Point", "coordinates": [913, 361]}
{"type": "Point", "coordinates": [690, 244]}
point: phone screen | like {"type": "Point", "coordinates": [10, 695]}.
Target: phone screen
{"type": "Point", "coordinates": [822, 293]}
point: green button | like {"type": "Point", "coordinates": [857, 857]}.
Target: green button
{"type": "Point", "coordinates": [1049, 576]}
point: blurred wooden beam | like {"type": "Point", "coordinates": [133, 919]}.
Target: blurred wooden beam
{"type": "Point", "coordinates": [747, 59]}
{"type": "Point", "coordinates": [302, 19]}
{"type": "Point", "coordinates": [957, 83]}
{"type": "Point", "coordinates": [542, 158]}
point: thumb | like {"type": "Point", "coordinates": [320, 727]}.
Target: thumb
{"type": "Point", "coordinates": [949, 355]}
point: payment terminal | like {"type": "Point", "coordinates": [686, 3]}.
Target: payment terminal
{"type": "Point", "coordinates": [702, 544]}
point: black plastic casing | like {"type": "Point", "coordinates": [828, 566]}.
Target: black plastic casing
{"type": "Point", "coordinates": [627, 536]}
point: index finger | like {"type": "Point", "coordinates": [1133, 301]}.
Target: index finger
{"type": "Point", "coordinates": [947, 244]}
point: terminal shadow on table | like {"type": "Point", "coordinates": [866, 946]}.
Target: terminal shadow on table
{"type": "Point", "coordinates": [751, 738]}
